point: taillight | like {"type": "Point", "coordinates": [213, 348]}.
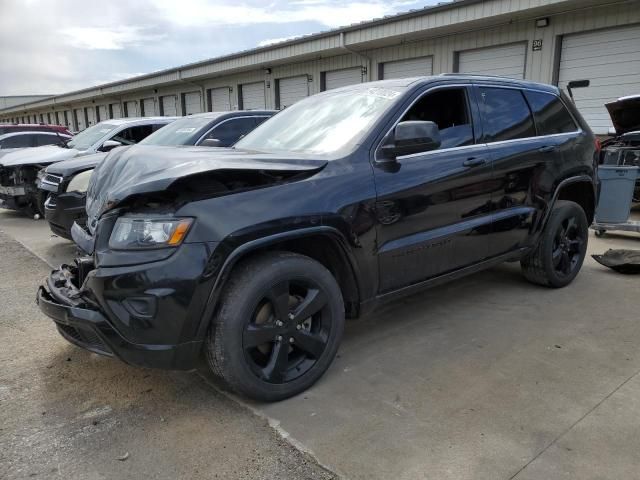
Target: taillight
{"type": "Point", "coordinates": [598, 145]}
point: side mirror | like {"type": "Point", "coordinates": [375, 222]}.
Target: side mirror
{"type": "Point", "coordinates": [109, 145]}
{"type": "Point", "coordinates": [211, 142]}
{"type": "Point", "coordinates": [412, 137]}
{"type": "Point", "coordinates": [576, 84]}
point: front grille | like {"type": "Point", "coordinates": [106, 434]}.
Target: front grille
{"type": "Point", "coordinates": [85, 338]}
{"type": "Point", "coordinates": [50, 202]}
{"type": "Point", "coordinates": [51, 179]}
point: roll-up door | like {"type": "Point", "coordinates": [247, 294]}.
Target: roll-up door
{"type": "Point", "coordinates": [411, 67]}
{"type": "Point", "coordinates": [292, 89]}
{"type": "Point", "coordinates": [68, 119]}
{"type": "Point", "coordinates": [610, 60]}
{"type": "Point", "coordinates": [116, 112]}
{"type": "Point", "coordinates": [220, 99]}
{"type": "Point", "coordinates": [503, 60]}
{"type": "Point", "coordinates": [90, 113]}
{"type": "Point", "coordinates": [342, 78]}
{"type": "Point", "coordinates": [131, 108]}
{"type": "Point", "coordinates": [253, 96]}
{"type": "Point", "coordinates": [148, 107]}
{"type": "Point", "coordinates": [103, 113]}
{"type": "Point", "coordinates": [169, 105]}
{"type": "Point", "coordinates": [78, 113]}
{"type": "Point", "coordinates": [192, 103]}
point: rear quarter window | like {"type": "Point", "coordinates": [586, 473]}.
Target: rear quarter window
{"type": "Point", "coordinates": [550, 114]}
{"type": "Point", "coordinates": [505, 114]}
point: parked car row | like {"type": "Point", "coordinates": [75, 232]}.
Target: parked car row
{"type": "Point", "coordinates": [64, 184]}
{"type": "Point", "coordinates": [253, 256]}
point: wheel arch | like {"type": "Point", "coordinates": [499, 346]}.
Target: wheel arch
{"type": "Point", "coordinates": [579, 189]}
{"type": "Point", "coordinates": [324, 244]}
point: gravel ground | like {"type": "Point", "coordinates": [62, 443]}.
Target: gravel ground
{"type": "Point", "coordinates": [67, 413]}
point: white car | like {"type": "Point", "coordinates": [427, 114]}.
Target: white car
{"type": "Point", "coordinates": [10, 142]}
{"type": "Point", "coordinates": [19, 168]}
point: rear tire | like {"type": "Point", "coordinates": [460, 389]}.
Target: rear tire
{"type": "Point", "coordinates": [278, 327]}
{"type": "Point", "coordinates": [561, 249]}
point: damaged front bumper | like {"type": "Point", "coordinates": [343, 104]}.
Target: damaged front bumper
{"type": "Point", "coordinates": [114, 327]}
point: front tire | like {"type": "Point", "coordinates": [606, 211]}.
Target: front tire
{"type": "Point", "coordinates": [278, 328]}
{"type": "Point", "coordinates": [561, 249]}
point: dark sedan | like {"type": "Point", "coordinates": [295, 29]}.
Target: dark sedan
{"type": "Point", "coordinates": [65, 183]}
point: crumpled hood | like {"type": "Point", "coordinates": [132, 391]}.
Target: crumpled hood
{"type": "Point", "coordinates": [147, 169]}
{"type": "Point", "coordinates": [78, 164]}
{"type": "Point", "coordinates": [38, 156]}
{"type": "Point", "coordinates": [625, 114]}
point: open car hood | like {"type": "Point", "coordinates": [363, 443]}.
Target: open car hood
{"type": "Point", "coordinates": [37, 156]}
{"type": "Point", "coordinates": [145, 169]}
{"type": "Point", "coordinates": [625, 114]}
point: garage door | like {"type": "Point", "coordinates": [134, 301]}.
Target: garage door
{"type": "Point", "coordinates": [192, 103]}
{"type": "Point", "coordinates": [292, 89]}
{"type": "Point", "coordinates": [413, 67]}
{"type": "Point", "coordinates": [103, 113]}
{"type": "Point", "coordinates": [342, 78]}
{"type": "Point", "coordinates": [505, 61]}
{"type": "Point", "coordinates": [116, 111]}
{"type": "Point", "coordinates": [131, 108]}
{"type": "Point", "coordinates": [252, 96]}
{"type": "Point", "coordinates": [169, 105]}
{"type": "Point", "coordinates": [91, 115]}
{"type": "Point", "coordinates": [610, 60]}
{"type": "Point", "coordinates": [220, 99]}
{"type": "Point", "coordinates": [79, 116]}
{"type": "Point", "coordinates": [148, 107]}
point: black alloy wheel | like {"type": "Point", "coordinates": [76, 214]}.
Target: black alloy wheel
{"type": "Point", "coordinates": [568, 246]}
{"type": "Point", "coordinates": [558, 256]}
{"type": "Point", "coordinates": [278, 326]}
{"type": "Point", "coordinates": [288, 332]}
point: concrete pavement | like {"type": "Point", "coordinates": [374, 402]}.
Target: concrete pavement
{"type": "Point", "coordinates": [488, 377]}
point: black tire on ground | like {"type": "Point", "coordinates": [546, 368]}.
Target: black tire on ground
{"type": "Point", "coordinates": [278, 327]}
{"type": "Point", "coordinates": [558, 257]}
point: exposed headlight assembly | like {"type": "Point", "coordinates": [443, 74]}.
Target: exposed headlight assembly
{"type": "Point", "coordinates": [80, 182]}
{"type": "Point", "coordinates": [131, 233]}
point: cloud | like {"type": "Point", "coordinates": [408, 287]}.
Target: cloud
{"type": "Point", "coordinates": [103, 38]}
{"type": "Point", "coordinates": [271, 41]}
{"type": "Point", "coordinates": [56, 47]}
{"type": "Point", "coordinates": [330, 13]}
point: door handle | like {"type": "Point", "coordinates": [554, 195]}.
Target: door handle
{"type": "Point", "coordinates": [547, 149]}
{"type": "Point", "coordinates": [474, 162]}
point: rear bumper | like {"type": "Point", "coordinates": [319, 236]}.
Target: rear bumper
{"type": "Point", "coordinates": [84, 324]}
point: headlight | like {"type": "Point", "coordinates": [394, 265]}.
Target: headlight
{"type": "Point", "coordinates": [135, 233]}
{"type": "Point", "coordinates": [80, 182]}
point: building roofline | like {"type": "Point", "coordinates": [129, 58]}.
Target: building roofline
{"type": "Point", "coordinates": [293, 41]}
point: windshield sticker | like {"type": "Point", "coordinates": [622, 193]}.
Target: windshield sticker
{"type": "Point", "coordinates": [383, 92]}
{"type": "Point", "coordinates": [185, 130]}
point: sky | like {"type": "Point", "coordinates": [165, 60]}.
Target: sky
{"type": "Point", "coordinates": [57, 46]}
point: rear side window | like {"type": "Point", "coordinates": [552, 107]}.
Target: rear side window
{"type": "Point", "coordinates": [17, 141]}
{"type": "Point", "coordinates": [550, 114]}
{"type": "Point", "coordinates": [230, 131]}
{"type": "Point", "coordinates": [505, 114]}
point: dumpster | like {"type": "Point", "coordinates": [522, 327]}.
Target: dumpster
{"type": "Point", "coordinates": [616, 193]}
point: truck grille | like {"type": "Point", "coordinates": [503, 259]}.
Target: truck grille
{"type": "Point", "coordinates": [53, 180]}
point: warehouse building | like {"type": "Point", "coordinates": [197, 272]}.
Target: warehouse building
{"type": "Point", "coordinates": [551, 41]}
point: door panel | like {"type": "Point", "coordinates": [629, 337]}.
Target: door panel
{"type": "Point", "coordinates": [433, 208]}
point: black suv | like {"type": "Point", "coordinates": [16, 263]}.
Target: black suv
{"type": "Point", "coordinates": [64, 184]}
{"type": "Point", "coordinates": [253, 256]}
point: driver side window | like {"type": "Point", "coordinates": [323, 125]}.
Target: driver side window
{"type": "Point", "coordinates": [132, 135]}
{"type": "Point", "coordinates": [449, 109]}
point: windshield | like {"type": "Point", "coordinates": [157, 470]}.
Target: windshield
{"type": "Point", "coordinates": [184, 131]}
{"type": "Point", "coordinates": [330, 123]}
{"type": "Point", "coordinates": [86, 138]}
